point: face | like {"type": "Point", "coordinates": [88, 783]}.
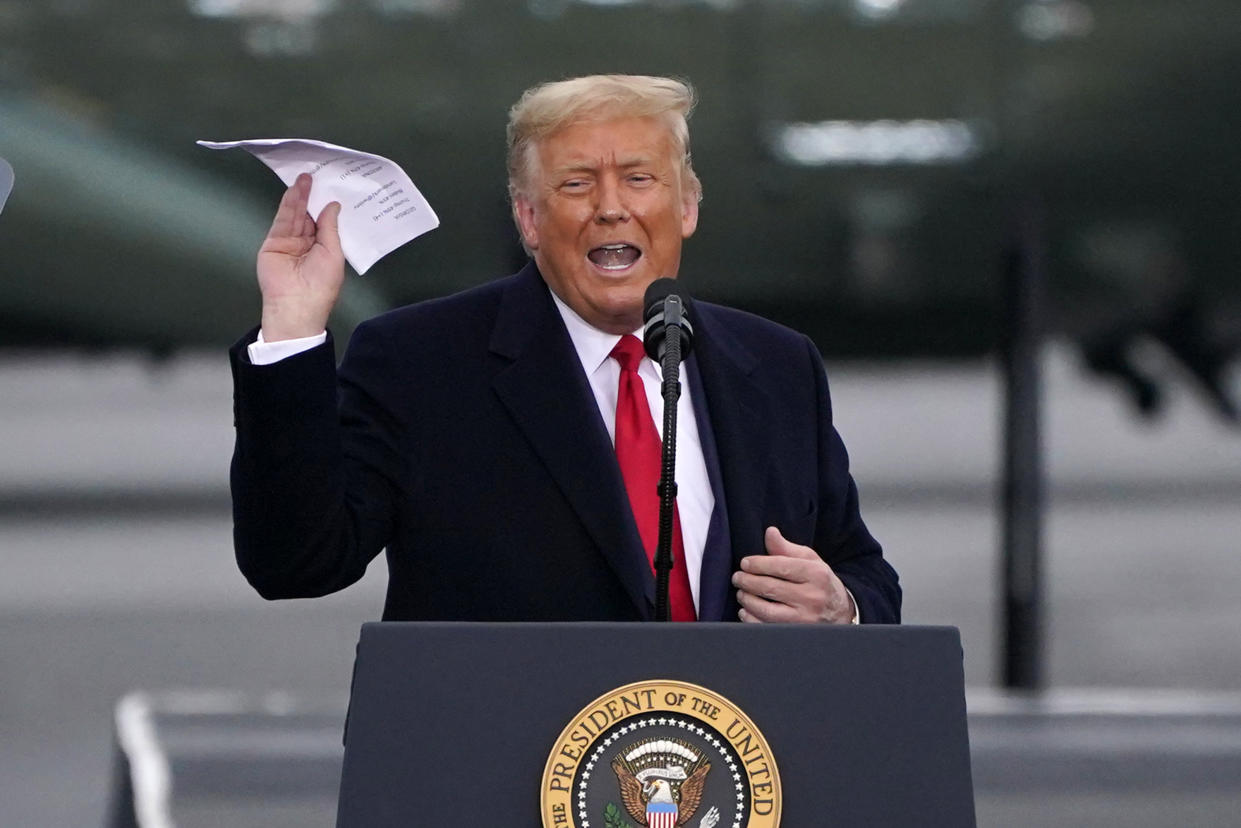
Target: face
{"type": "Point", "coordinates": [605, 215]}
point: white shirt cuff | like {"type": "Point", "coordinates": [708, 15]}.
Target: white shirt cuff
{"type": "Point", "coordinates": [266, 353]}
{"type": "Point", "coordinates": [857, 617]}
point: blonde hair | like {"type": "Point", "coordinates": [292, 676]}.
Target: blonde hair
{"type": "Point", "coordinates": [548, 108]}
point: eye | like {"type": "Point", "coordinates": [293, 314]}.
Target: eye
{"type": "Point", "coordinates": [640, 179]}
{"type": "Point", "coordinates": [575, 185]}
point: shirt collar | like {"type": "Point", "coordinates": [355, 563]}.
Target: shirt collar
{"type": "Point", "coordinates": [593, 346]}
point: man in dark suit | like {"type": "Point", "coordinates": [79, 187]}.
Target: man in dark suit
{"type": "Point", "coordinates": [476, 437]}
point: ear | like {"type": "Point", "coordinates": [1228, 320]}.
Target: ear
{"type": "Point", "coordinates": [523, 212]}
{"type": "Point", "coordinates": [689, 212]}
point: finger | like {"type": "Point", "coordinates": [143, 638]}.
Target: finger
{"type": "Point", "coordinates": [329, 227]}
{"type": "Point", "coordinates": [758, 610]}
{"type": "Point", "coordinates": [292, 209]}
{"type": "Point", "coordinates": [786, 569]}
{"type": "Point", "coordinates": [303, 224]}
{"type": "Point", "coordinates": [766, 587]}
{"type": "Point", "coordinates": [777, 544]}
{"type": "Point", "coordinates": [803, 599]}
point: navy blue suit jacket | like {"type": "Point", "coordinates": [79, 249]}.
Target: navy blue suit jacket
{"type": "Point", "coordinates": [461, 434]}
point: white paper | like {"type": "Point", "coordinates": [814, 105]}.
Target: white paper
{"type": "Point", "coordinates": [6, 181]}
{"type": "Point", "coordinates": [381, 209]}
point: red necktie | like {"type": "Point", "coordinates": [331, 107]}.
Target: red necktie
{"type": "Point", "coordinates": [639, 450]}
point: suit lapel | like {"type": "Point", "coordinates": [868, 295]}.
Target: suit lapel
{"type": "Point", "coordinates": [545, 390]}
{"type": "Point", "coordinates": [738, 409]}
{"type": "Point", "coordinates": [716, 600]}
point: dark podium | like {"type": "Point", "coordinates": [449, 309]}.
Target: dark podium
{"type": "Point", "coordinates": [455, 723]}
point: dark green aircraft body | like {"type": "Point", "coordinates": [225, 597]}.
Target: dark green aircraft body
{"type": "Point", "coordinates": [861, 159]}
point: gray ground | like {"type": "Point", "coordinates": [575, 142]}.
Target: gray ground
{"type": "Point", "coordinates": [114, 537]}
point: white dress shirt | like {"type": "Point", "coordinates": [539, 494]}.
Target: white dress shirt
{"type": "Point", "coordinates": [695, 500]}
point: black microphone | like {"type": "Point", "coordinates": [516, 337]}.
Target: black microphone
{"type": "Point", "coordinates": [666, 307]}
{"type": "Point", "coordinates": [667, 336]}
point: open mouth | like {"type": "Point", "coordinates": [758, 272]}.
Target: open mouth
{"type": "Point", "coordinates": [614, 256]}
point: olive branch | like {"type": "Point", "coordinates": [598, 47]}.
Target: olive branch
{"type": "Point", "coordinates": [614, 817]}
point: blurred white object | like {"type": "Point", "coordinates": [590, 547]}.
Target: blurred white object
{"type": "Point", "coordinates": [6, 181]}
{"type": "Point", "coordinates": [381, 209]}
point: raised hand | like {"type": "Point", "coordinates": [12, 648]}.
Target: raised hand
{"type": "Point", "coordinates": [300, 267]}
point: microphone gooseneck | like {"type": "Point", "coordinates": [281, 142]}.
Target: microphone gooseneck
{"type": "Point", "coordinates": [667, 336]}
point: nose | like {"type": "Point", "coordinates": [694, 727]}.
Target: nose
{"type": "Point", "coordinates": [610, 207]}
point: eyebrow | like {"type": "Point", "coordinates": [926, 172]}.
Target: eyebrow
{"type": "Point", "coordinates": [590, 167]}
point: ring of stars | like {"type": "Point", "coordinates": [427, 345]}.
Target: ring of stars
{"type": "Point", "coordinates": [663, 721]}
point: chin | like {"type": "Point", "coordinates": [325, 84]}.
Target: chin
{"type": "Point", "coordinates": [623, 313]}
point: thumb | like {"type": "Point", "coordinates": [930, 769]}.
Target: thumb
{"type": "Point", "coordinates": [777, 544]}
{"type": "Point", "coordinates": [328, 227]}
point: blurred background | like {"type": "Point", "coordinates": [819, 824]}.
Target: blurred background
{"type": "Point", "coordinates": [1011, 226]}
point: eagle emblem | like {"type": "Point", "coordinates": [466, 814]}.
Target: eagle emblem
{"type": "Point", "coordinates": [673, 765]}
{"type": "Point", "coordinates": [661, 782]}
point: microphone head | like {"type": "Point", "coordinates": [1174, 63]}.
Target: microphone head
{"type": "Point", "coordinates": [656, 292]}
{"type": "Point", "coordinates": [666, 304]}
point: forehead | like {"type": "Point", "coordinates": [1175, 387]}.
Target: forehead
{"type": "Point", "coordinates": [604, 142]}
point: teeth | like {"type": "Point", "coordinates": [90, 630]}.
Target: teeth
{"type": "Point", "coordinates": [615, 256]}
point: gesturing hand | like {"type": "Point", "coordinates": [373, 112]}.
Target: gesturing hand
{"type": "Point", "coordinates": [300, 267]}
{"type": "Point", "coordinates": [791, 583]}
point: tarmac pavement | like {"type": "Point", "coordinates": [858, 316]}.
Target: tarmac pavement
{"type": "Point", "coordinates": [115, 538]}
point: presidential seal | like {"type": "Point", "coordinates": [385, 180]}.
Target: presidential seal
{"type": "Point", "coordinates": [661, 754]}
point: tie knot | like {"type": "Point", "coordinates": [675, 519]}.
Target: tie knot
{"type": "Point", "coordinates": [628, 352]}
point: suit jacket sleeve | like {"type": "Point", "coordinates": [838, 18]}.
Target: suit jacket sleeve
{"type": "Point", "coordinates": [314, 476]}
{"type": "Point", "coordinates": [841, 537]}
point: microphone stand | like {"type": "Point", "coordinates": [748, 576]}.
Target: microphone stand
{"type": "Point", "coordinates": [670, 363]}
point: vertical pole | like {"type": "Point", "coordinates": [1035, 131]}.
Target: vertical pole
{"type": "Point", "coordinates": [1022, 337]}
